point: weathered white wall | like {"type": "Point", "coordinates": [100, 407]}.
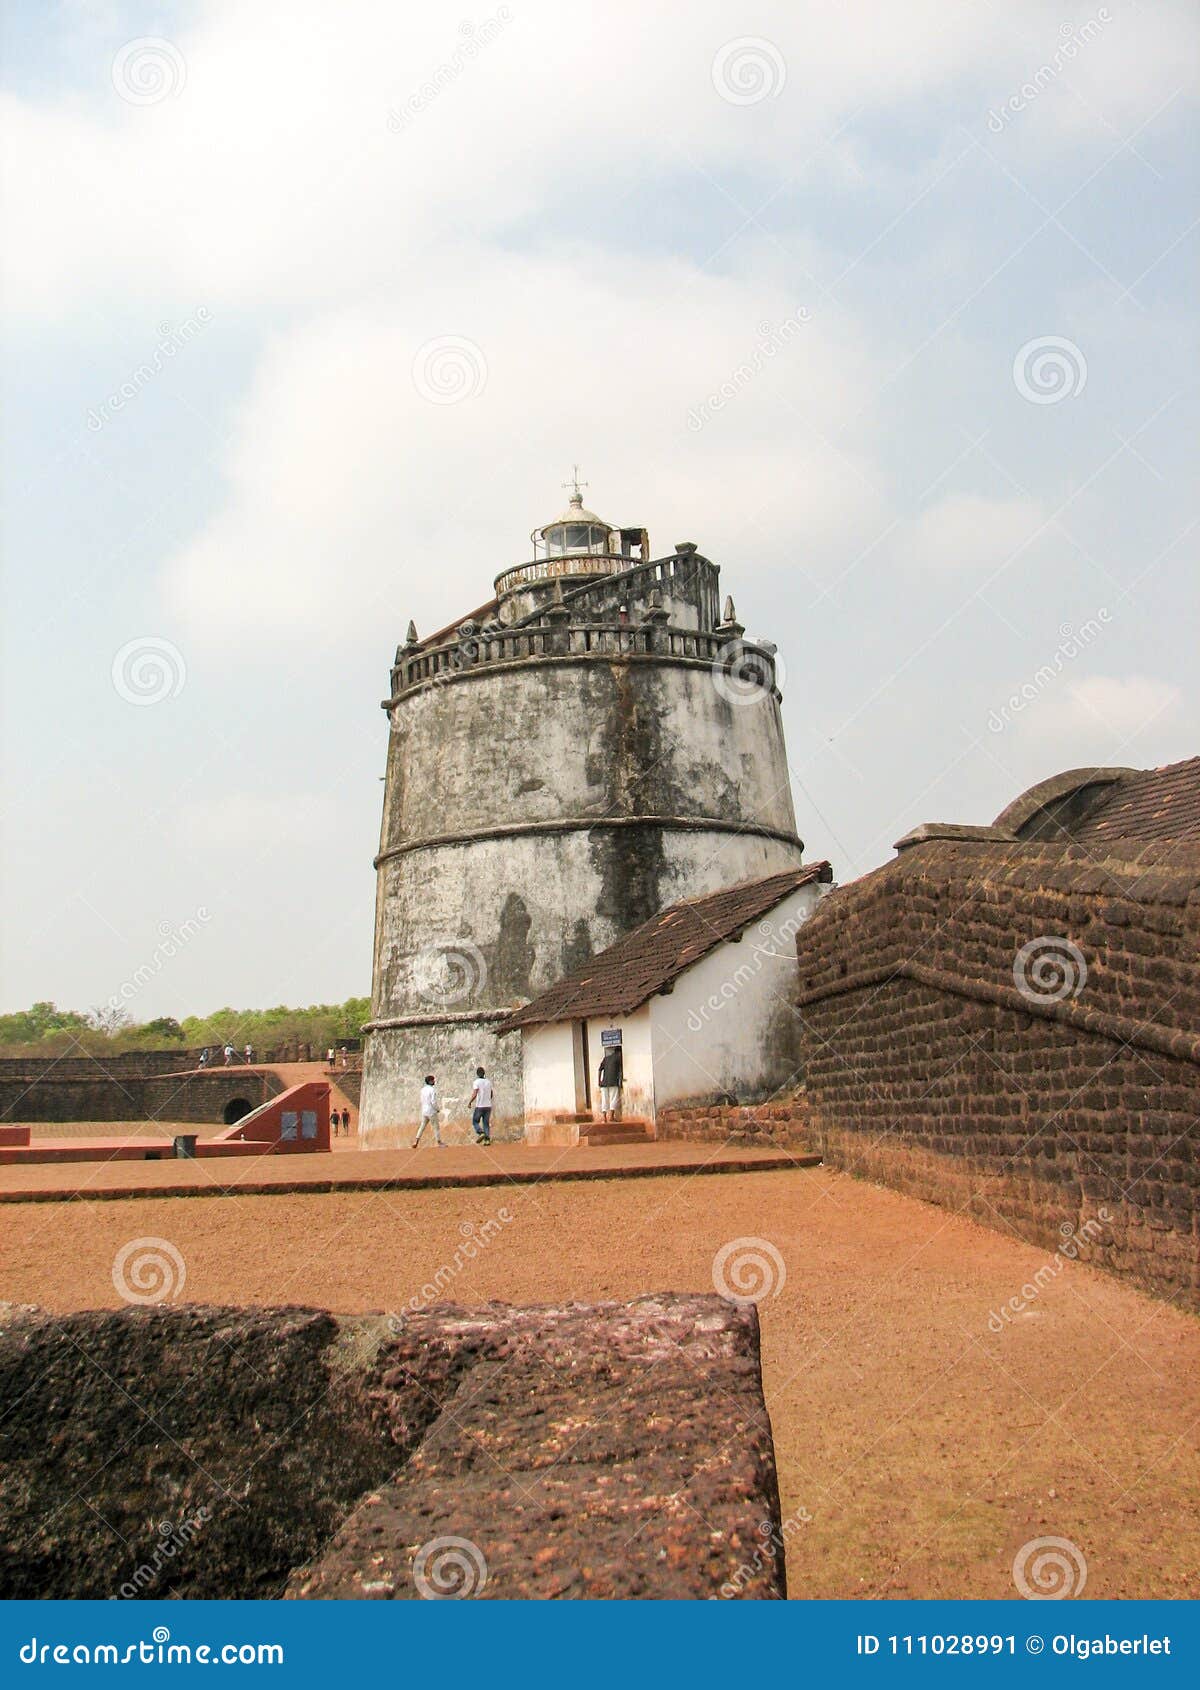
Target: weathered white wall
{"type": "Point", "coordinates": [731, 1024]}
{"type": "Point", "coordinates": [549, 1064]}
{"type": "Point", "coordinates": [396, 1061]}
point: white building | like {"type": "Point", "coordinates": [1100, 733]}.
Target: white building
{"type": "Point", "coordinates": [700, 1000]}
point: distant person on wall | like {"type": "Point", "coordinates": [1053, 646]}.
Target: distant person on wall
{"type": "Point", "coordinates": [329, 1056]}
{"type": "Point", "coordinates": [229, 1054]}
{"type": "Point", "coordinates": [481, 1107]}
{"type": "Point", "coordinates": [249, 1054]}
{"type": "Point", "coordinates": [335, 1121]}
{"type": "Point", "coordinates": [203, 1063]}
{"type": "Point", "coordinates": [344, 1057]}
{"type": "Point", "coordinates": [610, 1077]}
{"type": "Point", "coordinates": [346, 1122]}
{"type": "Point", "coordinates": [429, 1112]}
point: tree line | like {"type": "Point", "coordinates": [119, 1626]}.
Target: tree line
{"type": "Point", "coordinates": [44, 1029]}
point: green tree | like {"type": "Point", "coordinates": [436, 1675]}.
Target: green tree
{"type": "Point", "coordinates": [163, 1027]}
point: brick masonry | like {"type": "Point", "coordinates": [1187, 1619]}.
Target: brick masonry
{"type": "Point", "coordinates": [1040, 1111]}
{"type": "Point", "coordinates": [781, 1125]}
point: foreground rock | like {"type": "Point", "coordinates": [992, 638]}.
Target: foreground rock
{"type": "Point", "coordinates": [618, 1450]}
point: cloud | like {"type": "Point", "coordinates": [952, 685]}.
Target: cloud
{"type": "Point", "coordinates": [277, 174]}
{"type": "Point", "coordinates": [239, 824]}
{"type": "Point", "coordinates": [1120, 705]}
{"type": "Point", "coordinates": [969, 533]}
{"type": "Point", "coordinates": [594, 244]}
{"type": "Point", "coordinates": [385, 452]}
{"type": "Point", "coordinates": [1064, 723]}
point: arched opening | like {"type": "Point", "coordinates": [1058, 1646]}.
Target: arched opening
{"type": "Point", "coordinates": [235, 1109]}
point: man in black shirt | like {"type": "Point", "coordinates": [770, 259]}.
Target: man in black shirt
{"type": "Point", "coordinates": [610, 1077]}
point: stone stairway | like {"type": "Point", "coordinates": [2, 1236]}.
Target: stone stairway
{"type": "Point", "coordinates": [344, 1084]}
{"type": "Point", "coordinates": [631, 1129]}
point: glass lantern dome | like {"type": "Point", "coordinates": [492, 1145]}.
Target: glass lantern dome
{"type": "Point", "coordinates": [577, 532]}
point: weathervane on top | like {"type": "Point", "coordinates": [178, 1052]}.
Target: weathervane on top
{"type": "Point", "coordinates": [575, 484]}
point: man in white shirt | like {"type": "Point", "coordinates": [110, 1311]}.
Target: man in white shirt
{"type": "Point", "coordinates": [481, 1107]}
{"type": "Point", "coordinates": [429, 1111]}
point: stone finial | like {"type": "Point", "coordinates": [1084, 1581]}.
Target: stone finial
{"type": "Point", "coordinates": [729, 626]}
{"type": "Point", "coordinates": [411, 637]}
{"type": "Point", "coordinates": [685, 548]}
{"type": "Point", "coordinates": [557, 610]}
{"type": "Point", "coordinates": [655, 610]}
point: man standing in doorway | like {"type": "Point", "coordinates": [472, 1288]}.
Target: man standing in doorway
{"type": "Point", "coordinates": [481, 1107]}
{"type": "Point", "coordinates": [610, 1077]}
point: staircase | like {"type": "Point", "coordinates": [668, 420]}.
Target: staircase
{"type": "Point", "coordinates": [632, 1129]}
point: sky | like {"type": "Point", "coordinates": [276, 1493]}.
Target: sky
{"type": "Point", "coordinates": [309, 310]}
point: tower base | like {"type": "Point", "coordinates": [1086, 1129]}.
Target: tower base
{"type": "Point", "coordinates": [397, 1059]}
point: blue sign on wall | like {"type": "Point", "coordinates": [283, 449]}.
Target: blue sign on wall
{"type": "Point", "coordinates": [610, 1036]}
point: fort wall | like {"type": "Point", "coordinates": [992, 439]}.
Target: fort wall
{"type": "Point", "coordinates": [1057, 1101]}
{"type": "Point", "coordinates": [100, 1090]}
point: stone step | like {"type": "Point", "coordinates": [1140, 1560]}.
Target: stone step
{"type": "Point", "coordinates": [632, 1130]}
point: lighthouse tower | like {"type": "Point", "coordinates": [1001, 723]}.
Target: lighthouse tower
{"type": "Point", "coordinates": [594, 743]}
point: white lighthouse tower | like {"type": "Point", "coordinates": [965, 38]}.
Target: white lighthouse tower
{"type": "Point", "coordinates": [595, 743]}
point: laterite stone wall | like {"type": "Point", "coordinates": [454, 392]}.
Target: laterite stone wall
{"type": "Point", "coordinates": [1043, 1103]}
{"type": "Point", "coordinates": [775, 1125]}
{"type": "Point", "coordinates": [43, 1094]}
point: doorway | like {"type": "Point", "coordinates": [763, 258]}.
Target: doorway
{"type": "Point", "coordinates": [583, 1068]}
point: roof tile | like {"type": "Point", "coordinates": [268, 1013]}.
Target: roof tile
{"type": "Point", "coordinates": [622, 978]}
{"type": "Point", "coordinates": [1149, 804]}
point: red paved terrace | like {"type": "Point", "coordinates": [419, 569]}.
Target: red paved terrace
{"type": "Point", "coordinates": [295, 1121]}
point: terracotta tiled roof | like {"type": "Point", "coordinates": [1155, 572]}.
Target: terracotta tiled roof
{"type": "Point", "coordinates": [622, 978]}
{"type": "Point", "coordinates": [1146, 804]}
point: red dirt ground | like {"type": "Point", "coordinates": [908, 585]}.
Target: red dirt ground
{"type": "Point", "coordinates": [107, 1176]}
{"type": "Point", "coordinates": [925, 1448]}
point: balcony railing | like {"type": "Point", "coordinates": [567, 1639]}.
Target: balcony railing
{"type": "Point", "coordinates": [554, 568]}
{"type": "Point", "coordinates": [563, 639]}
